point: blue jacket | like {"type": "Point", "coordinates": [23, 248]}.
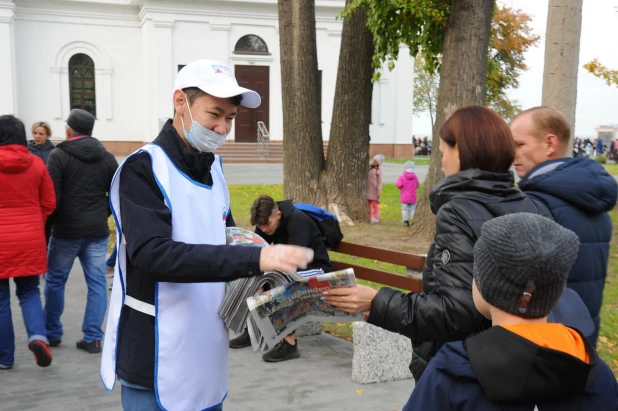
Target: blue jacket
{"type": "Point", "coordinates": [579, 193]}
{"type": "Point", "coordinates": [498, 370]}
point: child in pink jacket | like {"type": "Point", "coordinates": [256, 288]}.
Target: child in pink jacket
{"type": "Point", "coordinates": [374, 188]}
{"type": "Point", "coordinates": [408, 184]}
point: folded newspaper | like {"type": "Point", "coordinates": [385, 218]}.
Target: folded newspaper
{"type": "Point", "coordinates": [279, 311]}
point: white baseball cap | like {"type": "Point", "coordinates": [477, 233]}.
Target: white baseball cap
{"type": "Point", "coordinates": [215, 78]}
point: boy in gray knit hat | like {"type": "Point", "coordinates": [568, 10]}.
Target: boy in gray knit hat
{"type": "Point", "coordinates": [521, 266]}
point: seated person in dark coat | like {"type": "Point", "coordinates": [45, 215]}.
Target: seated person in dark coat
{"type": "Point", "coordinates": [280, 223]}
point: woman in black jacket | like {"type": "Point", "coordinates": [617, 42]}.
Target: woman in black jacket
{"type": "Point", "coordinates": [477, 151]}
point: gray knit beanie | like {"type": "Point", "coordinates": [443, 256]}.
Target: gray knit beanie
{"type": "Point", "coordinates": [81, 121]}
{"type": "Point", "coordinates": [521, 263]}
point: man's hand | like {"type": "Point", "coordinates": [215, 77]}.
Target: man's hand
{"type": "Point", "coordinates": [287, 258]}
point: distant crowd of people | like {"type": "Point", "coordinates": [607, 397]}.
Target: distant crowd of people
{"type": "Point", "coordinates": [422, 146]}
{"type": "Point", "coordinates": [589, 149]}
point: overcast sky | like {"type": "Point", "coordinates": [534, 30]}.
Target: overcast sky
{"type": "Point", "coordinates": [597, 103]}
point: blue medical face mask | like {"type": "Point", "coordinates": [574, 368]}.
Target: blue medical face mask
{"type": "Point", "coordinates": [201, 138]}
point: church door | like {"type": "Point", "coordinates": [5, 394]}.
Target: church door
{"type": "Point", "coordinates": [254, 78]}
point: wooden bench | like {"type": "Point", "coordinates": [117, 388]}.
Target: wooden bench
{"type": "Point", "coordinates": [414, 263]}
{"type": "Point", "coordinates": [380, 355]}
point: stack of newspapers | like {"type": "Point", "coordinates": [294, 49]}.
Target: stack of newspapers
{"type": "Point", "coordinates": [234, 310]}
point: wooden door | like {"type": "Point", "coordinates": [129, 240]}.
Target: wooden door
{"type": "Point", "coordinates": [254, 78]}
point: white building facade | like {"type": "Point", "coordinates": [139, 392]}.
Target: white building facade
{"type": "Point", "coordinates": [118, 59]}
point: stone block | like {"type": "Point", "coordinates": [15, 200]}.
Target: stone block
{"type": "Point", "coordinates": [310, 328]}
{"type": "Point", "coordinates": [379, 355]}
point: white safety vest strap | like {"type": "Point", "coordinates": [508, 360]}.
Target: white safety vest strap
{"type": "Point", "coordinates": [139, 305]}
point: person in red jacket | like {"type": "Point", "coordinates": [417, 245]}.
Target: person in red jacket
{"type": "Point", "coordinates": [27, 198]}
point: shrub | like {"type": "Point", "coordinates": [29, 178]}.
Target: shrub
{"type": "Point", "coordinates": [602, 159]}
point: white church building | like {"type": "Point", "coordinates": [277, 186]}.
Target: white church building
{"type": "Point", "coordinates": [117, 59]}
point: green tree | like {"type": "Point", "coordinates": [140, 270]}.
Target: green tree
{"type": "Point", "coordinates": [337, 182]}
{"type": "Point", "coordinates": [458, 31]}
{"type": "Point", "coordinates": [511, 37]}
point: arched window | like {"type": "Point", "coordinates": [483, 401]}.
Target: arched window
{"type": "Point", "coordinates": [251, 44]}
{"type": "Point", "coordinates": [81, 83]}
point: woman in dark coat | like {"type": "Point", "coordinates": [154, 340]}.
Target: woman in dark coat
{"type": "Point", "coordinates": [40, 145]}
{"type": "Point", "coordinates": [477, 151]}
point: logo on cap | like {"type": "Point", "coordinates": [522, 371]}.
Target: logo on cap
{"type": "Point", "coordinates": [219, 68]}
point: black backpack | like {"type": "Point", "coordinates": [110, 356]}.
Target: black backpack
{"type": "Point", "coordinates": [326, 222]}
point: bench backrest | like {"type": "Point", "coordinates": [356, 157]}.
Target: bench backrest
{"type": "Point", "coordinates": [406, 282]}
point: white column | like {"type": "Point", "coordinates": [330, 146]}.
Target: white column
{"type": "Point", "coordinates": [8, 97]}
{"type": "Point", "coordinates": [384, 105]}
{"type": "Point", "coordinates": [405, 96]}
{"type": "Point", "coordinates": [220, 47]}
{"type": "Point", "coordinates": [103, 85]}
{"type": "Point", "coordinates": [165, 68]}
{"type": "Point", "coordinates": [56, 87]}
{"type": "Point", "coordinates": [159, 72]}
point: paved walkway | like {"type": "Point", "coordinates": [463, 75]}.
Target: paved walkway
{"type": "Point", "coordinates": [318, 380]}
{"type": "Point", "coordinates": [255, 174]}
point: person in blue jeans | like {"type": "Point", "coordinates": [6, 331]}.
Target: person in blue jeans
{"type": "Point", "coordinates": [91, 252]}
{"type": "Point", "coordinates": [82, 172]}
{"type": "Point", "coordinates": [137, 398]}
{"type": "Point", "coordinates": [32, 311]}
{"type": "Point", "coordinates": [111, 263]}
{"type": "Point", "coordinates": [26, 200]}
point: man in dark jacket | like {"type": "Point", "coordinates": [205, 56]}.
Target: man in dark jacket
{"type": "Point", "coordinates": [82, 172]}
{"type": "Point", "coordinates": [578, 192]}
{"type": "Point", "coordinates": [281, 223]}
{"type": "Point", "coordinates": [521, 265]}
{"type": "Point", "coordinates": [164, 339]}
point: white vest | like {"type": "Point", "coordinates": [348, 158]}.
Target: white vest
{"type": "Point", "coordinates": [191, 342]}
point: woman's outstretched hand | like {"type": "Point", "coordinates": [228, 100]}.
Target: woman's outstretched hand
{"type": "Point", "coordinates": [352, 300]}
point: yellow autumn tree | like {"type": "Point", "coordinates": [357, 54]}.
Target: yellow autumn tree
{"type": "Point", "coordinates": [511, 37]}
{"type": "Point", "coordinates": [599, 70]}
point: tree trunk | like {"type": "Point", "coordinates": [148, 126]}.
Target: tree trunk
{"type": "Point", "coordinates": [303, 158]}
{"type": "Point", "coordinates": [345, 178]}
{"type": "Point", "coordinates": [564, 26]}
{"type": "Point", "coordinates": [462, 82]}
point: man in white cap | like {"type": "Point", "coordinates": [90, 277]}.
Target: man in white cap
{"type": "Point", "coordinates": [164, 339]}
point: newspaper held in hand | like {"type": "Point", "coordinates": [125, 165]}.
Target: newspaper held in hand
{"type": "Point", "coordinates": [233, 309]}
{"type": "Point", "coordinates": [278, 312]}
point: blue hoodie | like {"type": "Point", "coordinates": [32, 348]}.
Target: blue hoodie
{"type": "Point", "coordinates": [579, 193]}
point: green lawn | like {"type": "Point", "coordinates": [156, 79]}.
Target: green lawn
{"type": "Point", "coordinates": [609, 313]}
{"type": "Point", "coordinates": [611, 168]}
{"type": "Point", "coordinates": [418, 160]}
